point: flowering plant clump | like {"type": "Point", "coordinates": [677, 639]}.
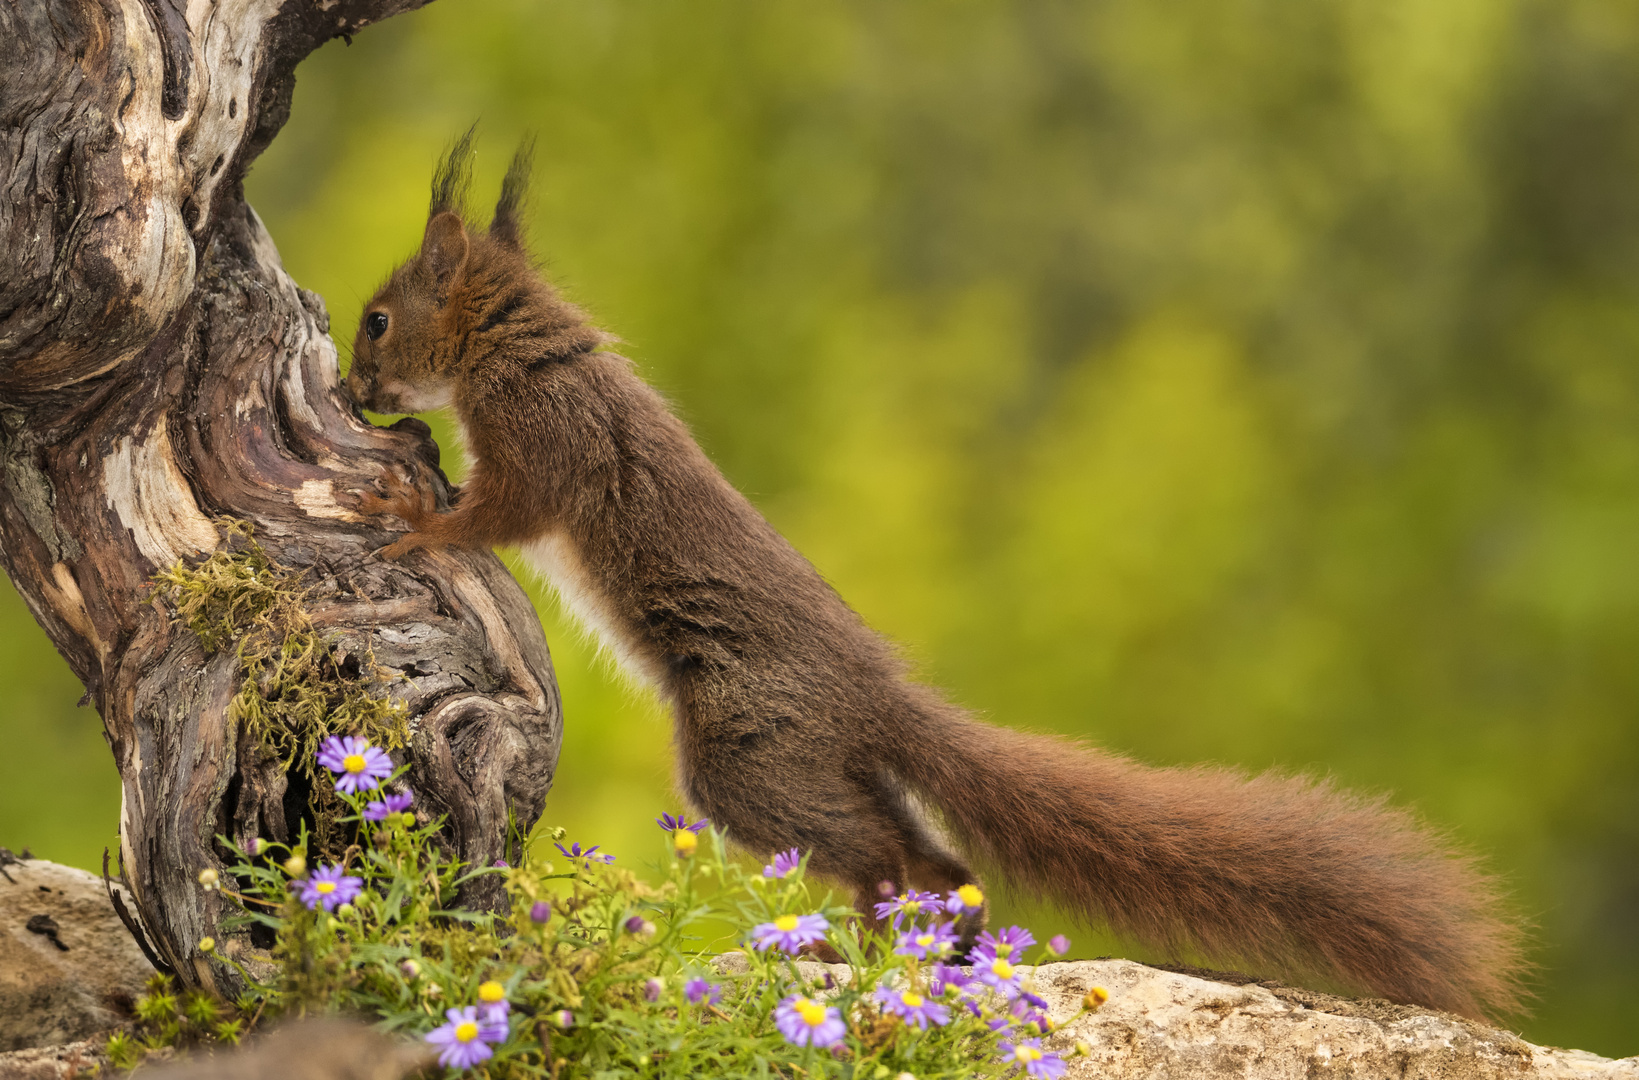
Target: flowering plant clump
{"type": "Point", "coordinates": [595, 972]}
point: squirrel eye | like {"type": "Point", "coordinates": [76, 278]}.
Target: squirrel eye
{"type": "Point", "coordinates": [375, 325]}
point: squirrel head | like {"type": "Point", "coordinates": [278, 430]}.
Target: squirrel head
{"type": "Point", "coordinates": [413, 334]}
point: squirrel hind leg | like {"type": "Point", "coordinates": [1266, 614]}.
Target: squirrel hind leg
{"type": "Point", "coordinates": [930, 865]}
{"type": "Point", "coordinates": [938, 871]}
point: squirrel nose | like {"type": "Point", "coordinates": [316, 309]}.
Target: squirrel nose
{"type": "Point", "coordinates": [358, 387]}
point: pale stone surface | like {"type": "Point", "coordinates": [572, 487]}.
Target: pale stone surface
{"type": "Point", "coordinates": [71, 1060]}
{"type": "Point", "coordinates": [1160, 1025]}
{"type": "Point", "coordinates": [313, 1049]}
{"type": "Point", "coordinates": [49, 994]}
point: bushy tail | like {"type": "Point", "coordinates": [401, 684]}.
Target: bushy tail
{"type": "Point", "coordinates": [1283, 874]}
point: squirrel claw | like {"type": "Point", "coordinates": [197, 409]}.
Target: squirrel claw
{"type": "Point", "coordinates": [400, 548]}
{"type": "Point", "coordinates": [402, 500]}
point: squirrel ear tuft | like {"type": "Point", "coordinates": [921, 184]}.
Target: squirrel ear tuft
{"type": "Point", "coordinates": [453, 175]}
{"type": "Point", "coordinates": [507, 225]}
{"type": "Point", "coordinates": [444, 249]}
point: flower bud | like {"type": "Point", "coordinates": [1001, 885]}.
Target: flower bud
{"type": "Point", "coordinates": [651, 989]}
{"type": "Point", "coordinates": [344, 910]}
{"type": "Point", "coordinates": [410, 969]}
{"type": "Point", "coordinates": [1084, 1048]}
{"type": "Point", "coordinates": [501, 864]}
{"type": "Point", "coordinates": [540, 912]}
{"type": "Point", "coordinates": [640, 926]}
{"type": "Point", "coordinates": [207, 944]}
{"type": "Point", "coordinates": [1058, 945]}
{"type": "Point", "coordinates": [885, 890]}
{"type": "Point", "coordinates": [209, 878]}
{"type": "Point", "coordinates": [564, 1019]}
{"type": "Point", "coordinates": [1095, 997]}
{"type": "Point", "coordinates": [296, 866]}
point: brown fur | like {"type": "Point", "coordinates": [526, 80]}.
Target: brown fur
{"type": "Point", "coordinates": [797, 725]}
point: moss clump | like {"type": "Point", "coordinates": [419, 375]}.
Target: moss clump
{"type": "Point", "coordinates": [295, 691]}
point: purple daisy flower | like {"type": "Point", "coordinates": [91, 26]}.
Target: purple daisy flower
{"type": "Point", "coordinates": [389, 804]}
{"type": "Point", "coordinates": [698, 990]}
{"type": "Point", "coordinates": [999, 975]}
{"type": "Point", "coordinates": [790, 932]}
{"type": "Point", "coordinates": [1028, 1055]}
{"type": "Point", "coordinates": [912, 1007]}
{"type": "Point", "coordinates": [925, 942]}
{"type": "Point", "coordinates": [945, 976]}
{"type": "Point", "coordinates": [573, 851]}
{"type": "Point", "coordinates": [493, 1005]}
{"type": "Point", "coordinates": [783, 864]}
{"type": "Point", "coordinates": [329, 886]}
{"type": "Point", "coordinates": [466, 1039]}
{"type": "Point", "coordinates": [355, 762]}
{"type": "Point", "coordinates": [910, 903]}
{"type": "Point", "coordinates": [965, 900]}
{"type": "Point", "coordinates": [1021, 1012]}
{"type": "Point", "coordinates": [672, 824]}
{"type": "Point", "coordinates": [1008, 945]}
{"type": "Point", "coordinates": [808, 1023]}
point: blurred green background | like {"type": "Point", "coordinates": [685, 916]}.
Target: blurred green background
{"type": "Point", "coordinates": [1219, 380]}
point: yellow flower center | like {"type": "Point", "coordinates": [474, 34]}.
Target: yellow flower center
{"type": "Point", "coordinates": [911, 999]}
{"type": "Point", "coordinates": [1002, 969]}
{"type": "Point", "coordinates": [924, 940]}
{"type": "Point", "coordinates": [491, 991]}
{"type": "Point", "coordinates": [812, 1012]}
{"type": "Point", "coordinates": [684, 842]}
{"type": "Point", "coordinates": [970, 895]}
{"type": "Point", "coordinates": [325, 888]}
{"type": "Point", "coordinates": [1026, 1053]}
{"type": "Point", "coordinates": [785, 923]}
{"type": "Point", "coordinates": [466, 1032]}
{"type": "Point", "coordinates": [1004, 948]}
{"type": "Point", "coordinates": [912, 906]}
{"type": "Point", "coordinates": [353, 763]}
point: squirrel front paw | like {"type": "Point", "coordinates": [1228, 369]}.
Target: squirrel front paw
{"type": "Point", "coordinates": [402, 499]}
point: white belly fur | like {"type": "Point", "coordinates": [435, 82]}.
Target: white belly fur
{"type": "Point", "coordinates": [555, 558]}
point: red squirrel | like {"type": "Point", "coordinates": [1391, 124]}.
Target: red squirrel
{"type": "Point", "coordinates": [797, 725]}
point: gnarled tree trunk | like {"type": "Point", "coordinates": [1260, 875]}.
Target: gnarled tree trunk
{"type": "Point", "coordinates": [158, 369]}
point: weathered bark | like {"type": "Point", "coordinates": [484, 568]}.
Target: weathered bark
{"type": "Point", "coordinates": [157, 369]}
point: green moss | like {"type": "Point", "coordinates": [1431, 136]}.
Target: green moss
{"type": "Point", "coordinates": [295, 691]}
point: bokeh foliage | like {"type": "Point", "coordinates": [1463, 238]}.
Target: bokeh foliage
{"type": "Point", "coordinates": [1225, 380]}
